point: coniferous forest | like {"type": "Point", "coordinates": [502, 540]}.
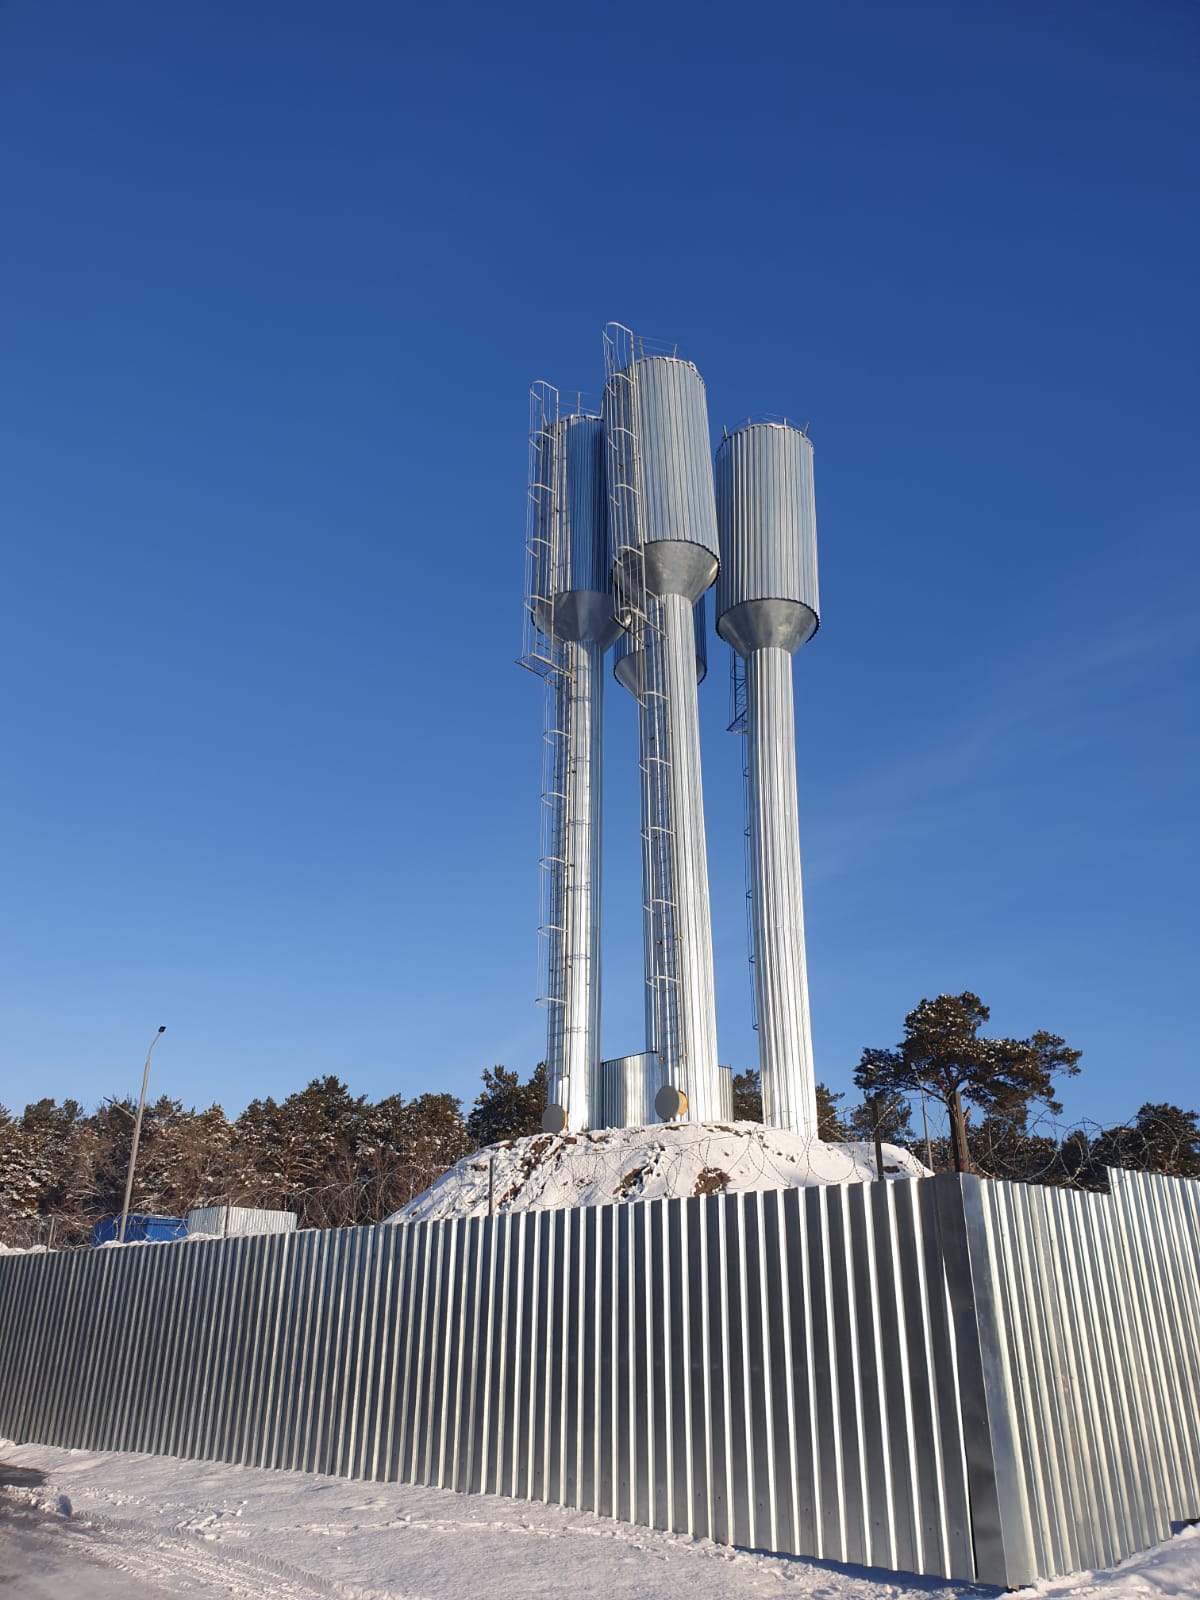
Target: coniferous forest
{"type": "Point", "coordinates": [960, 1100]}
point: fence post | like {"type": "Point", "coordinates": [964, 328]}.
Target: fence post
{"type": "Point", "coordinates": [1000, 1530]}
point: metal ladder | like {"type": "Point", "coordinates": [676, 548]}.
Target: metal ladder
{"type": "Point", "coordinates": [544, 656]}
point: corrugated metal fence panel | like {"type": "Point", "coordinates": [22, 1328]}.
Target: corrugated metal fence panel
{"type": "Point", "coordinates": [980, 1380]}
{"type": "Point", "coordinates": [1096, 1305]}
{"type": "Point", "coordinates": [771, 1370]}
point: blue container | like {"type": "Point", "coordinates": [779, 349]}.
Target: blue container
{"type": "Point", "coordinates": [155, 1230]}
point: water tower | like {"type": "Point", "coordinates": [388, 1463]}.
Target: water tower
{"type": "Point", "coordinates": [663, 534]}
{"type": "Point", "coordinates": [766, 609]}
{"type": "Point", "coordinates": [569, 623]}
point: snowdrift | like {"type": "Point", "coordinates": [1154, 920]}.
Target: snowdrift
{"type": "Point", "coordinates": [668, 1161]}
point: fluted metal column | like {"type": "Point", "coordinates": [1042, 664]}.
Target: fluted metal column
{"type": "Point", "coordinates": [659, 941]}
{"type": "Point", "coordinates": [575, 937]}
{"type": "Point", "coordinates": [570, 623]}
{"type": "Point", "coordinates": [776, 896]}
{"type": "Point", "coordinates": [674, 643]}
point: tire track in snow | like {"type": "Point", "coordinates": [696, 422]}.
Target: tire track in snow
{"type": "Point", "coordinates": [185, 1561]}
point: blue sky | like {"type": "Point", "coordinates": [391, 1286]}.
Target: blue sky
{"type": "Point", "coordinates": [275, 282]}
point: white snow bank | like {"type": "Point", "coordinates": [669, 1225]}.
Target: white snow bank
{"type": "Point", "coordinates": [669, 1160]}
{"type": "Point", "coordinates": [138, 1527]}
{"type": "Point", "coordinates": [1172, 1568]}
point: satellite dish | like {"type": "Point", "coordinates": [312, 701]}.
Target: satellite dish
{"type": "Point", "coordinates": [554, 1120]}
{"type": "Point", "coordinates": [670, 1103]}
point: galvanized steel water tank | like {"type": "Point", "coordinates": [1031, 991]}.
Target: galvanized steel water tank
{"type": "Point", "coordinates": [767, 585]}
{"type": "Point", "coordinates": [628, 1085]}
{"type": "Point", "coordinates": [572, 596]}
{"type": "Point", "coordinates": [657, 418]}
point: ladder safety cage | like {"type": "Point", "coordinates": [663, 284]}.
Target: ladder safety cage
{"type": "Point", "coordinates": [542, 518]}
{"type": "Point", "coordinates": [552, 659]}
{"type": "Point", "coordinates": [543, 655]}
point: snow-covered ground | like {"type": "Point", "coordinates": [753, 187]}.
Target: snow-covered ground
{"type": "Point", "coordinates": [132, 1527]}
{"type": "Point", "coordinates": [669, 1160]}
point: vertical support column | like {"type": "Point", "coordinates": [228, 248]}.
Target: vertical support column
{"type": "Point", "coordinates": [573, 1045]}
{"type": "Point", "coordinates": [569, 624]}
{"type": "Point", "coordinates": [640, 667]}
{"type": "Point", "coordinates": [697, 1070]}
{"type": "Point", "coordinates": [659, 963]}
{"type": "Point", "coordinates": [776, 897]}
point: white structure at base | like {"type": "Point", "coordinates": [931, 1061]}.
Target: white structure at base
{"type": "Point", "coordinates": [229, 1222]}
{"type": "Point", "coordinates": [629, 1085]}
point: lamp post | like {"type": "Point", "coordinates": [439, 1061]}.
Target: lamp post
{"type": "Point", "coordinates": [137, 1134]}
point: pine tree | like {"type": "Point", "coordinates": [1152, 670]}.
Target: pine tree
{"type": "Point", "coordinates": [747, 1096]}
{"type": "Point", "coordinates": [1004, 1147]}
{"type": "Point", "coordinates": [1164, 1138]}
{"type": "Point", "coordinates": [885, 1112]}
{"type": "Point", "coordinates": [508, 1108]}
{"type": "Point", "coordinates": [413, 1143]}
{"type": "Point", "coordinates": [748, 1106]}
{"type": "Point", "coordinates": [301, 1153]}
{"type": "Point", "coordinates": [943, 1055]}
{"type": "Point", "coordinates": [830, 1127]}
{"type": "Point", "coordinates": [184, 1158]}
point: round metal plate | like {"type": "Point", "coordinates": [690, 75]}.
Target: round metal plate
{"type": "Point", "coordinates": [554, 1120]}
{"type": "Point", "coordinates": [670, 1103]}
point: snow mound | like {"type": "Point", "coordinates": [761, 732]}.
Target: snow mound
{"type": "Point", "coordinates": [552, 1172]}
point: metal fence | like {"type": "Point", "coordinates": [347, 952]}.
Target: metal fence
{"type": "Point", "coordinates": [898, 1374]}
{"type": "Point", "coordinates": [1089, 1310]}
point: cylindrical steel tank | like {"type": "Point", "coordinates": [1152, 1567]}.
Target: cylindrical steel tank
{"type": "Point", "coordinates": [657, 421]}
{"type": "Point", "coordinates": [664, 550]}
{"type": "Point", "coordinates": [766, 609]}
{"type": "Point", "coordinates": [767, 585]}
{"type": "Point", "coordinates": [571, 604]}
{"type": "Point", "coordinates": [628, 1085]}
{"type": "Point", "coordinates": [572, 590]}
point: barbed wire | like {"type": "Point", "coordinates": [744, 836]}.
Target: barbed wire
{"type": "Point", "coordinates": [1044, 1147]}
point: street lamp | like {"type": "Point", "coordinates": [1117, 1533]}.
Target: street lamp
{"type": "Point", "coordinates": [137, 1134]}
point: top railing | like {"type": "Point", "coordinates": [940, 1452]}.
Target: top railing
{"type": "Point", "coordinates": [766, 419]}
